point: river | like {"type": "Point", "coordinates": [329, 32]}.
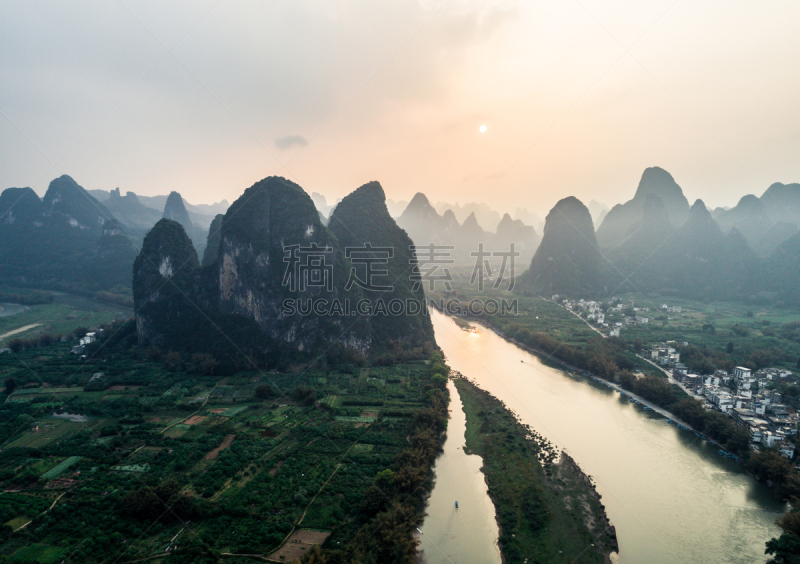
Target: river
{"type": "Point", "coordinates": [469, 533]}
{"type": "Point", "coordinates": [671, 497]}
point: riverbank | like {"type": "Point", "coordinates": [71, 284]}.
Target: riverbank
{"type": "Point", "coordinates": [546, 506]}
{"type": "Point", "coordinates": [670, 496]}
{"type": "Point", "coordinates": [671, 417]}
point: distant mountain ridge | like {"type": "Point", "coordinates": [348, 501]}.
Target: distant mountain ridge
{"type": "Point", "coordinates": [200, 214]}
{"type": "Point", "coordinates": [425, 226]}
{"type": "Point", "coordinates": [130, 211]}
{"type": "Point", "coordinates": [766, 221]}
{"type": "Point", "coordinates": [646, 250]}
{"type": "Point", "coordinates": [67, 240]}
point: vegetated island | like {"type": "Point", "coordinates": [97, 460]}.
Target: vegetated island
{"type": "Point", "coordinates": [548, 510]}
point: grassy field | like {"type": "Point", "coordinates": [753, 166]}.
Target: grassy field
{"type": "Point", "coordinates": [547, 511]}
{"type": "Point", "coordinates": [65, 314]}
{"type": "Point", "coordinates": [41, 553]}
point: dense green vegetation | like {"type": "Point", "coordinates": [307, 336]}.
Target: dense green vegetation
{"type": "Point", "coordinates": [145, 449]}
{"type": "Point", "coordinates": [761, 336]}
{"type": "Point", "coordinates": [547, 511]}
{"type": "Point", "coordinates": [26, 298]}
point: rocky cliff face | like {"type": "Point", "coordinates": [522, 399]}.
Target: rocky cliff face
{"type": "Point", "coordinates": [567, 260]}
{"type": "Point", "coordinates": [163, 276]}
{"type": "Point", "coordinates": [272, 250]}
{"type": "Point", "coordinates": [362, 218]}
{"type": "Point", "coordinates": [271, 239]}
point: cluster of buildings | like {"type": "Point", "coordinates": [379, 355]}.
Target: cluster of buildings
{"type": "Point", "coordinates": [742, 394]}
{"type": "Point", "coordinates": [601, 313]}
{"type": "Point", "coordinates": [88, 339]}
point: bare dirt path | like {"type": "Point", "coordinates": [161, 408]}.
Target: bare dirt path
{"type": "Point", "coordinates": [20, 330]}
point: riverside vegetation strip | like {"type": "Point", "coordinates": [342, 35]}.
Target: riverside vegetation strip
{"type": "Point", "coordinates": [547, 509]}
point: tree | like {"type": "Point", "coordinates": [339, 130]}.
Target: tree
{"type": "Point", "coordinates": [11, 385]}
{"type": "Point", "coordinates": [785, 549]}
{"type": "Point", "coordinates": [204, 363]}
{"type": "Point", "coordinates": [729, 348]}
{"type": "Point", "coordinates": [79, 332]}
{"type": "Point", "coordinates": [439, 380]}
{"type": "Point", "coordinates": [265, 391]}
{"type": "Point", "coordinates": [304, 395]}
{"type": "Point", "coordinates": [385, 478]}
{"type": "Point", "coordinates": [173, 361]}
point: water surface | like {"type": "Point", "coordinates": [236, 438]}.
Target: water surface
{"type": "Point", "coordinates": [671, 497]}
{"type": "Point", "coordinates": [469, 533]}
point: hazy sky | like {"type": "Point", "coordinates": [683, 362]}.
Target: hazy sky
{"type": "Point", "coordinates": [578, 97]}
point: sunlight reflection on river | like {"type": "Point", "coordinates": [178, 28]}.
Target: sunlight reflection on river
{"type": "Point", "coordinates": [667, 492]}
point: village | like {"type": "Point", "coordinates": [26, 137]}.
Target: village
{"type": "Point", "coordinates": [743, 394]}
{"type": "Point", "coordinates": [605, 314]}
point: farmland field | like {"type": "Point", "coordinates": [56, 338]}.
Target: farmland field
{"type": "Point", "coordinates": [247, 469]}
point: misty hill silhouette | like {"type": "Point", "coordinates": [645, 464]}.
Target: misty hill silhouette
{"type": "Point", "coordinates": [622, 217]}
{"type": "Point", "coordinates": [68, 240]}
{"type": "Point", "coordinates": [424, 225]}
{"type": "Point", "coordinates": [568, 260]}
{"type": "Point", "coordinates": [765, 222]}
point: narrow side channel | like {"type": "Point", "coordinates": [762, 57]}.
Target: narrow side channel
{"type": "Point", "coordinates": [469, 533]}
